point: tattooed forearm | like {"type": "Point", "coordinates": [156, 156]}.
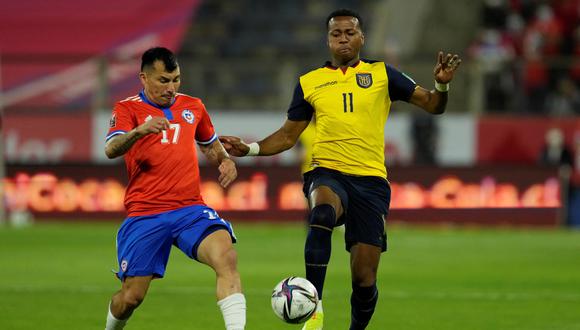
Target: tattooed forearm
{"type": "Point", "coordinates": [214, 152]}
{"type": "Point", "coordinates": [120, 144]}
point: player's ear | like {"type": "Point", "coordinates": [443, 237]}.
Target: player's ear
{"type": "Point", "coordinates": [143, 77]}
{"type": "Point", "coordinates": [362, 38]}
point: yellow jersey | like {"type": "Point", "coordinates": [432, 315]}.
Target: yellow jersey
{"type": "Point", "coordinates": [351, 108]}
{"type": "Point", "coordinates": [307, 142]}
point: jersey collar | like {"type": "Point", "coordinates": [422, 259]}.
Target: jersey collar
{"type": "Point", "coordinates": [329, 65]}
{"type": "Point", "coordinates": [146, 100]}
{"type": "Point", "coordinates": [166, 111]}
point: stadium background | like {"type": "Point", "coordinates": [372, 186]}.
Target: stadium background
{"type": "Point", "coordinates": [506, 154]}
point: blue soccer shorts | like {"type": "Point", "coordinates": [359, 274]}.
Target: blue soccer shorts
{"type": "Point", "coordinates": [144, 242]}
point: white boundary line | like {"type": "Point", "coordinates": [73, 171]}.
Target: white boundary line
{"type": "Point", "coordinates": [433, 295]}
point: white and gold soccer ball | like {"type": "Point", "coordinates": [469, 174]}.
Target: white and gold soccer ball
{"type": "Point", "coordinates": [294, 300]}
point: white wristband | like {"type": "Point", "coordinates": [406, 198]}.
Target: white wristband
{"type": "Point", "coordinates": [441, 87]}
{"type": "Point", "coordinates": [254, 149]}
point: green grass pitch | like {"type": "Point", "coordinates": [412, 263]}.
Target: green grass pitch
{"type": "Point", "coordinates": [56, 276]}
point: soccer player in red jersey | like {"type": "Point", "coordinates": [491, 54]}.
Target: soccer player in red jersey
{"type": "Point", "coordinates": [156, 131]}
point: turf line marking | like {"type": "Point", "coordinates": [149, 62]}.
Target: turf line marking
{"type": "Point", "coordinates": [434, 295]}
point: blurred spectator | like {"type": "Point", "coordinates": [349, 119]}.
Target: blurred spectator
{"type": "Point", "coordinates": [424, 136]}
{"type": "Point", "coordinates": [494, 14]}
{"type": "Point", "coordinates": [494, 51]}
{"type": "Point", "coordinates": [568, 12]}
{"type": "Point", "coordinates": [575, 68]}
{"type": "Point", "coordinates": [548, 28]}
{"type": "Point", "coordinates": [566, 100]}
{"type": "Point", "coordinates": [574, 198]}
{"type": "Point", "coordinates": [535, 76]}
{"type": "Point", "coordinates": [536, 41]}
{"type": "Point", "coordinates": [555, 152]}
{"type": "Point", "coordinates": [515, 30]}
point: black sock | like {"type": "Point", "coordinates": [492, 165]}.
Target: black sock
{"type": "Point", "coordinates": [363, 301]}
{"type": "Point", "coordinates": [318, 245]}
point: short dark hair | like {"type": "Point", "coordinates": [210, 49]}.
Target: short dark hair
{"type": "Point", "coordinates": [345, 12]}
{"type": "Point", "coordinates": [159, 54]}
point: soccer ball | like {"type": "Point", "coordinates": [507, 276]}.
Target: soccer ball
{"type": "Point", "coordinates": [294, 299]}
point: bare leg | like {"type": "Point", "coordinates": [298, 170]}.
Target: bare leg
{"type": "Point", "coordinates": [126, 300]}
{"type": "Point", "coordinates": [217, 251]}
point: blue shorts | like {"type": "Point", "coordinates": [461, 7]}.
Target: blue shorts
{"type": "Point", "coordinates": [144, 242]}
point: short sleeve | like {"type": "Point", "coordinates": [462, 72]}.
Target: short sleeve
{"type": "Point", "coordinates": [401, 86]}
{"type": "Point", "coordinates": [121, 121]}
{"type": "Point", "coordinates": [205, 132]}
{"type": "Point", "coordinates": [300, 109]}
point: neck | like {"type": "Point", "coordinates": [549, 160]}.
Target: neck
{"type": "Point", "coordinates": [150, 98]}
{"type": "Point", "coordinates": [343, 64]}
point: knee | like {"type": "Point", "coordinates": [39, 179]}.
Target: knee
{"type": "Point", "coordinates": [132, 298]}
{"type": "Point", "coordinates": [230, 258]}
{"type": "Point", "coordinates": [323, 216]}
{"type": "Point", "coordinates": [365, 276]}
{"type": "Point", "coordinates": [226, 262]}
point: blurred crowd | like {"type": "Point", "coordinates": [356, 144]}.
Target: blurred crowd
{"type": "Point", "coordinates": [529, 52]}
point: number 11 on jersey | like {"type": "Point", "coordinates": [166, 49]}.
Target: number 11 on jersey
{"type": "Point", "coordinates": [347, 105]}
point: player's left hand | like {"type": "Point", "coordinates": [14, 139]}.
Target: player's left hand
{"type": "Point", "coordinates": [228, 172]}
{"type": "Point", "coordinates": [445, 67]}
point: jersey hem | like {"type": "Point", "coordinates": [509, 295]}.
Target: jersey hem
{"type": "Point", "coordinates": [147, 213]}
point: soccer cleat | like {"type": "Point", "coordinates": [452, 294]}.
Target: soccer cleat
{"type": "Point", "coordinates": [315, 322]}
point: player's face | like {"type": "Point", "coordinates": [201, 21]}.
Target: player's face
{"type": "Point", "coordinates": [345, 38]}
{"type": "Point", "coordinates": [160, 86]}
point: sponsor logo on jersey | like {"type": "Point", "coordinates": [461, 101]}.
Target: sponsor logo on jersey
{"type": "Point", "coordinates": [326, 84]}
{"type": "Point", "coordinates": [364, 80]}
{"type": "Point", "coordinates": [188, 116]}
{"type": "Point", "coordinates": [113, 121]}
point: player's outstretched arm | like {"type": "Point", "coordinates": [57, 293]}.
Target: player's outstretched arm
{"type": "Point", "coordinates": [281, 140]}
{"type": "Point", "coordinates": [434, 101]}
{"type": "Point", "coordinates": [120, 144]}
{"type": "Point", "coordinates": [217, 155]}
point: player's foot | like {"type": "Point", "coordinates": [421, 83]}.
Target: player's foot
{"type": "Point", "coordinates": [315, 322]}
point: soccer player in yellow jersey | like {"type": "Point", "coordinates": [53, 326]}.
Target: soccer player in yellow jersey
{"type": "Point", "coordinates": [347, 180]}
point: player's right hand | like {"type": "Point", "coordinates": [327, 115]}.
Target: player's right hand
{"type": "Point", "coordinates": [234, 145]}
{"type": "Point", "coordinates": [153, 126]}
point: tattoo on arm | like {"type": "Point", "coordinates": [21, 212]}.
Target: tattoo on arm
{"type": "Point", "coordinates": [214, 152]}
{"type": "Point", "coordinates": [120, 144]}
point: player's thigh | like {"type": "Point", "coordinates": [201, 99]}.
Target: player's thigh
{"type": "Point", "coordinates": [199, 225]}
{"type": "Point", "coordinates": [364, 263]}
{"type": "Point", "coordinates": [217, 251]}
{"type": "Point", "coordinates": [323, 186]}
{"type": "Point", "coordinates": [325, 195]}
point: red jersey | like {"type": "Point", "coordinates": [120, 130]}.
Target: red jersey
{"type": "Point", "coordinates": [163, 168]}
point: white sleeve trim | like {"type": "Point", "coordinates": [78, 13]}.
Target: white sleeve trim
{"type": "Point", "coordinates": [113, 134]}
{"type": "Point", "coordinates": [210, 141]}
